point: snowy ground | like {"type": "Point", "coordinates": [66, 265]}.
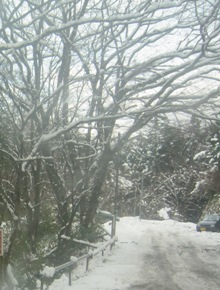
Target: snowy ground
{"type": "Point", "coordinates": [153, 255]}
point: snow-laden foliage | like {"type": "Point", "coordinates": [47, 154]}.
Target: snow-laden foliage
{"type": "Point", "coordinates": [75, 73]}
{"type": "Point", "coordinates": [165, 173]}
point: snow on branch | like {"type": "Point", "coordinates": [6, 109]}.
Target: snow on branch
{"type": "Point", "coordinates": [81, 242]}
{"type": "Point", "coordinates": [128, 18]}
{"type": "Point", "coordinates": [50, 136]}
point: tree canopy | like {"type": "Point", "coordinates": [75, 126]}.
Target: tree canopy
{"type": "Point", "coordinates": [76, 73]}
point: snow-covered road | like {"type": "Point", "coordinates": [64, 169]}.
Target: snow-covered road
{"type": "Point", "coordinates": [154, 255]}
{"type": "Point", "coordinates": [177, 258]}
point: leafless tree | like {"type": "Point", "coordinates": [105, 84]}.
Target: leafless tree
{"type": "Point", "coordinates": [75, 73]}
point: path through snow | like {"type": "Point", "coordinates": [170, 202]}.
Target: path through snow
{"type": "Point", "coordinates": [153, 255]}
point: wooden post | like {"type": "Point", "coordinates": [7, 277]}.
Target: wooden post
{"type": "Point", "coordinates": [41, 284]}
{"type": "Point", "coordinates": [87, 263]}
{"type": "Point", "coordinates": [70, 276]}
{"type": "Point", "coordinates": [113, 229]}
{"type": "Point", "coordinates": [2, 266]}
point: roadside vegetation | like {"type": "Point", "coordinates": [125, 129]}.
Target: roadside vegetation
{"type": "Point", "coordinates": [90, 97]}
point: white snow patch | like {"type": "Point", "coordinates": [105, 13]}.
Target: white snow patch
{"type": "Point", "coordinates": [73, 259]}
{"type": "Point", "coordinates": [164, 213]}
{"type": "Point", "coordinates": [200, 155]}
{"type": "Point", "coordinates": [11, 277]}
{"type": "Point", "coordinates": [48, 271]}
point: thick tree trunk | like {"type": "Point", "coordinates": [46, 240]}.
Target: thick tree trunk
{"type": "Point", "coordinates": [99, 178]}
{"type": "Point", "coordinates": [59, 190]}
{"type": "Point", "coordinates": [5, 260]}
{"type": "Point", "coordinates": [33, 207]}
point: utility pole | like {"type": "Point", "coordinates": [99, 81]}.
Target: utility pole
{"type": "Point", "coordinates": [141, 195]}
{"type": "Point", "coordinates": [116, 184]}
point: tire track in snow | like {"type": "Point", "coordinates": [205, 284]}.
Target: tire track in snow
{"type": "Point", "coordinates": [172, 262]}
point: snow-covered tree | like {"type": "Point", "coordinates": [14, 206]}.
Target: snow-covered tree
{"type": "Point", "coordinates": [75, 73]}
{"type": "Point", "coordinates": [208, 157]}
{"type": "Point", "coordinates": [161, 164]}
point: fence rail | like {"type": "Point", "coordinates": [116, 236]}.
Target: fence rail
{"type": "Point", "coordinates": [69, 266]}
